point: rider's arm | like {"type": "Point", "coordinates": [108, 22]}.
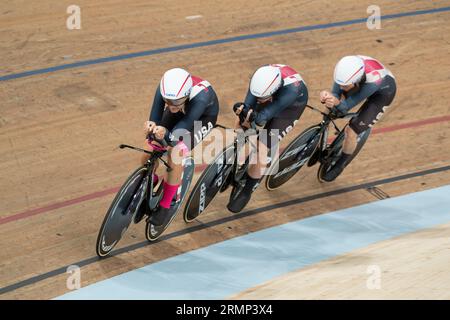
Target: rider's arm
{"type": "Point", "coordinates": [336, 91]}
{"type": "Point", "coordinates": [250, 101]}
{"type": "Point", "coordinates": [157, 107]}
{"type": "Point", "coordinates": [284, 99]}
{"type": "Point", "coordinates": [197, 108]}
{"type": "Point", "coordinates": [366, 91]}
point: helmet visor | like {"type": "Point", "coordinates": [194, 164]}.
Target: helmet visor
{"type": "Point", "coordinates": [176, 102]}
{"type": "Point", "coordinates": [261, 100]}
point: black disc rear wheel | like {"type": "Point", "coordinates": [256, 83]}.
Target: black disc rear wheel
{"type": "Point", "coordinates": [293, 158]}
{"type": "Point", "coordinates": [211, 181]}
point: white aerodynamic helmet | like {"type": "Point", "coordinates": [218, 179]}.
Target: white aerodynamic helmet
{"type": "Point", "coordinates": [349, 70]}
{"type": "Point", "coordinates": [265, 81]}
{"type": "Point", "coordinates": [175, 84]}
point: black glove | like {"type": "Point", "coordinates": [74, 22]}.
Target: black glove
{"type": "Point", "coordinates": [336, 113]}
{"type": "Point", "coordinates": [237, 105]}
{"type": "Point", "coordinates": [244, 112]}
{"type": "Point", "coordinates": [152, 137]}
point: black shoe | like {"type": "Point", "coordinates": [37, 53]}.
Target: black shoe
{"type": "Point", "coordinates": [333, 173]}
{"type": "Point", "coordinates": [238, 203]}
{"type": "Point", "coordinates": [161, 216]}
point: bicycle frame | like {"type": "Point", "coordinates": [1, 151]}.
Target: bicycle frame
{"type": "Point", "coordinates": [155, 155]}
{"type": "Point", "coordinates": [324, 130]}
{"type": "Point", "coordinates": [237, 144]}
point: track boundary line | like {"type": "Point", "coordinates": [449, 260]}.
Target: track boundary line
{"type": "Point", "coordinates": [215, 42]}
{"type": "Point", "coordinates": [244, 214]}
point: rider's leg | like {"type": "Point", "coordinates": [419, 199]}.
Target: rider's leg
{"type": "Point", "coordinates": [357, 125]}
{"type": "Point", "coordinates": [162, 215]}
{"type": "Point", "coordinates": [350, 141]}
{"type": "Point", "coordinates": [176, 155]}
{"type": "Point", "coordinates": [349, 146]}
{"type": "Point", "coordinates": [277, 129]}
{"type": "Point", "coordinates": [257, 168]}
{"type": "Point", "coordinates": [175, 160]}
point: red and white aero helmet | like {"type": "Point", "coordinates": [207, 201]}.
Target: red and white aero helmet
{"type": "Point", "coordinates": [349, 70]}
{"type": "Point", "coordinates": [265, 81]}
{"type": "Point", "coordinates": [175, 84]}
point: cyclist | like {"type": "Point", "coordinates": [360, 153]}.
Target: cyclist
{"type": "Point", "coordinates": [276, 98]}
{"type": "Point", "coordinates": [358, 78]}
{"type": "Point", "coordinates": [184, 111]}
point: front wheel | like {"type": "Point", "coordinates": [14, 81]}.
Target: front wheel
{"type": "Point", "coordinates": [293, 158]}
{"type": "Point", "coordinates": [153, 232]}
{"type": "Point", "coordinates": [122, 210]}
{"type": "Point", "coordinates": [335, 150]}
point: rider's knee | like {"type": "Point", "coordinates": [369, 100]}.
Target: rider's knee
{"type": "Point", "coordinates": [262, 147]}
{"type": "Point", "coordinates": [350, 133]}
{"type": "Point", "coordinates": [176, 154]}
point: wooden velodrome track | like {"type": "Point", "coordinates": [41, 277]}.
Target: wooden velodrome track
{"type": "Point", "coordinates": [59, 130]}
